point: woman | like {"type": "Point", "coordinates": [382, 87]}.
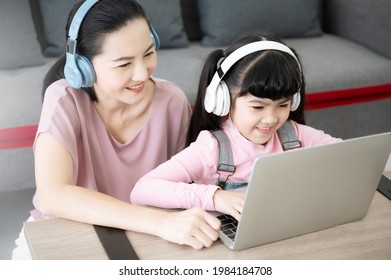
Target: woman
{"type": "Point", "coordinates": [107, 124]}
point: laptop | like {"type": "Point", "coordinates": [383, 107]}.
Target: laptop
{"type": "Point", "coordinates": [309, 189]}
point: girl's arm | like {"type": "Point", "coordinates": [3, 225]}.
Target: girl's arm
{"type": "Point", "coordinates": [58, 197]}
{"type": "Point", "coordinates": [171, 185]}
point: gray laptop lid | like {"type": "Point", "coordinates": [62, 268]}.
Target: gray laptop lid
{"type": "Point", "coordinates": [309, 189]}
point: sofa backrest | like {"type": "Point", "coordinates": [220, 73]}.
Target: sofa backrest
{"type": "Point", "coordinates": [219, 22]}
{"type": "Point", "coordinates": [365, 22]}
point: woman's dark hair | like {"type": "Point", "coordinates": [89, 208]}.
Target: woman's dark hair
{"type": "Point", "coordinates": [266, 74]}
{"type": "Point", "coordinates": [105, 17]}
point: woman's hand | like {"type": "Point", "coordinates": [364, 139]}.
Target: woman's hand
{"type": "Point", "coordinates": [229, 202]}
{"type": "Point", "coordinates": [194, 227]}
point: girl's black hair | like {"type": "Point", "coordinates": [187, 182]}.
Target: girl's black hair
{"type": "Point", "coordinates": [105, 17]}
{"type": "Point", "coordinates": [266, 74]}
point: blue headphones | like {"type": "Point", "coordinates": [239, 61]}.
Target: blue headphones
{"type": "Point", "coordinates": [78, 70]}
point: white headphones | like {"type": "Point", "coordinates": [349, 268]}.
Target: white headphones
{"type": "Point", "coordinates": [217, 96]}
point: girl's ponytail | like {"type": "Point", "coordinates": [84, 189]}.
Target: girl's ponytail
{"type": "Point", "coordinates": [201, 119]}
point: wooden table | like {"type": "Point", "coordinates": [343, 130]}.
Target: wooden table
{"type": "Point", "coordinates": [369, 238]}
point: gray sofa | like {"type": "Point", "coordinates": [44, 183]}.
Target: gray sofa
{"type": "Point", "coordinates": [345, 46]}
{"type": "Point", "coordinates": [347, 64]}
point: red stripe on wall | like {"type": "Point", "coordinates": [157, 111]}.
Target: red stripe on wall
{"type": "Point", "coordinates": [348, 96]}
{"type": "Point", "coordinates": [23, 136]}
{"type": "Point", "coordinates": [17, 137]}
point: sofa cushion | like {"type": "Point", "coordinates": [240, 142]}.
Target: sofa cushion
{"type": "Point", "coordinates": [50, 17]}
{"type": "Point", "coordinates": [183, 67]}
{"type": "Point", "coordinates": [19, 44]}
{"type": "Point", "coordinates": [224, 20]}
{"type": "Point", "coordinates": [345, 63]}
{"type": "Point", "coordinates": [365, 22]}
{"type": "Point", "coordinates": [333, 67]}
{"type": "Point", "coordinates": [167, 22]}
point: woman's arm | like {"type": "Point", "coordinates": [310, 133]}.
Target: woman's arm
{"type": "Point", "coordinates": [57, 196]}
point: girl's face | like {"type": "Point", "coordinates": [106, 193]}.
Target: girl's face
{"type": "Point", "coordinates": [124, 67]}
{"type": "Point", "coordinates": [258, 118]}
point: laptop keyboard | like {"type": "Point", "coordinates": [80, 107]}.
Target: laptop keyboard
{"type": "Point", "coordinates": [228, 225]}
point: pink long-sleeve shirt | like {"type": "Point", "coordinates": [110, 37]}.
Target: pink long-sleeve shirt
{"type": "Point", "coordinates": [168, 186]}
{"type": "Point", "coordinates": [100, 162]}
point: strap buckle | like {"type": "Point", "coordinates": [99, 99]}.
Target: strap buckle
{"type": "Point", "coordinates": [227, 168]}
{"type": "Point", "coordinates": [290, 145]}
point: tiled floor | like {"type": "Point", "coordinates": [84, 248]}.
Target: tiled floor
{"type": "Point", "coordinates": [14, 210]}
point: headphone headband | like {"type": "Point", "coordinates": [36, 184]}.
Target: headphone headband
{"type": "Point", "coordinates": [251, 48]}
{"type": "Point", "coordinates": [78, 18]}
{"type": "Point", "coordinates": [214, 88]}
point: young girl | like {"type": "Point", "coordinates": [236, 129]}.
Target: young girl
{"type": "Point", "coordinates": [107, 124]}
{"type": "Point", "coordinates": [247, 91]}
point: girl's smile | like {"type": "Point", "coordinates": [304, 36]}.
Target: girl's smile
{"type": "Point", "coordinates": [264, 130]}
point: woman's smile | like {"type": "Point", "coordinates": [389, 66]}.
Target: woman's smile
{"type": "Point", "coordinates": [136, 88]}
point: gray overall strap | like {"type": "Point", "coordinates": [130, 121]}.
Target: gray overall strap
{"type": "Point", "coordinates": [288, 137]}
{"type": "Point", "coordinates": [226, 163]}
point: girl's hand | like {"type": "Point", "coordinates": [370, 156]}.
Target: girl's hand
{"type": "Point", "coordinates": [194, 227]}
{"type": "Point", "coordinates": [229, 202]}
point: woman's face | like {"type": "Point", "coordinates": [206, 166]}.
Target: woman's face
{"type": "Point", "coordinates": [258, 118]}
{"type": "Point", "coordinates": [124, 67]}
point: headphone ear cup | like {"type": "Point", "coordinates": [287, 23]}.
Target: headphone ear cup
{"type": "Point", "coordinates": [87, 71]}
{"type": "Point", "coordinates": [72, 73]}
{"type": "Point", "coordinates": [223, 100]}
{"type": "Point", "coordinates": [296, 98]}
{"type": "Point", "coordinates": [79, 71]}
{"type": "Point", "coordinates": [210, 99]}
